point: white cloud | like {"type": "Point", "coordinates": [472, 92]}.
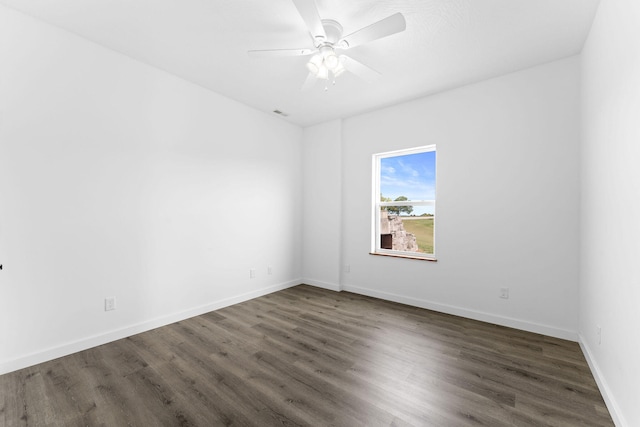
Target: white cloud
{"type": "Point", "coordinates": [388, 169]}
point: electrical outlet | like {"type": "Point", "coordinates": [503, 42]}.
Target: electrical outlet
{"type": "Point", "coordinates": [504, 293]}
{"type": "Point", "coordinates": [252, 273]}
{"type": "Point", "coordinates": [347, 268]}
{"type": "Point", "coordinates": [269, 270]}
{"type": "Point", "coordinates": [109, 303]}
{"type": "Point", "coordinates": [599, 334]}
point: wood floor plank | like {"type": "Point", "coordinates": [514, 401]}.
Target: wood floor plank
{"type": "Point", "coordinates": [313, 357]}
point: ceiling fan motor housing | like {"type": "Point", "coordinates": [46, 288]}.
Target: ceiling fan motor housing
{"type": "Point", "coordinates": [333, 31]}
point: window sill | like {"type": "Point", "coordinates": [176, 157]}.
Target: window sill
{"type": "Point", "coordinates": [419, 258]}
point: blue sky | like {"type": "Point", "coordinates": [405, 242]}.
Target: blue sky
{"type": "Point", "coordinates": [411, 175]}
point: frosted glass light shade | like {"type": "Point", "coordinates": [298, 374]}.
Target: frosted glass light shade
{"type": "Point", "coordinates": [314, 64]}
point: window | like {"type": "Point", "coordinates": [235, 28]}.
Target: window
{"type": "Point", "coordinates": [404, 203]}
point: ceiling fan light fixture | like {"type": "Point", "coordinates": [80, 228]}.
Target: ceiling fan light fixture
{"type": "Point", "coordinates": [329, 56]}
{"type": "Point", "coordinates": [338, 70]}
{"type": "Point", "coordinates": [331, 61]}
{"type": "Point", "coordinates": [323, 73]}
{"type": "Point", "coordinates": [314, 64]}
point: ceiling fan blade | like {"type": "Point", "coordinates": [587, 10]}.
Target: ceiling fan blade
{"type": "Point", "coordinates": [309, 13]}
{"type": "Point", "coordinates": [390, 25]}
{"type": "Point", "coordinates": [367, 74]}
{"type": "Point", "coordinates": [270, 53]}
{"type": "Point", "coordinates": [309, 82]}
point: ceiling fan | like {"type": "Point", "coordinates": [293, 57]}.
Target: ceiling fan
{"type": "Point", "coordinates": [326, 62]}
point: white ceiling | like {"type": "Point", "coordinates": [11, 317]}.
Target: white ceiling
{"type": "Point", "coordinates": [447, 43]}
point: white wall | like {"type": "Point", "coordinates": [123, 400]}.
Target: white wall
{"type": "Point", "coordinates": [322, 204]}
{"type": "Point", "coordinates": [507, 200]}
{"type": "Point", "coordinates": [117, 179]}
{"type": "Point", "coordinates": [610, 257]}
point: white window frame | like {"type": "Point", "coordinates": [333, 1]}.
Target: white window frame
{"type": "Point", "coordinates": [377, 205]}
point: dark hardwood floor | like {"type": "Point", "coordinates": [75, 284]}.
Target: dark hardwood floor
{"type": "Point", "coordinates": [307, 356]}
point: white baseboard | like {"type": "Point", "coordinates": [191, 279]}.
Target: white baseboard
{"type": "Point", "coordinates": [323, 285]}
{"type": "Point", "coordinates": [612, 406]}
{"type": "Point", "coordinates": [96, 340]}
{"type": "Point", "coordinates": [65, 349]}
{"type": "Point", "coordinates": [471, 314]}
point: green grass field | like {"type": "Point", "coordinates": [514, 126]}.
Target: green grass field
{"type": "Point", "coordinates": [423, 230]}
